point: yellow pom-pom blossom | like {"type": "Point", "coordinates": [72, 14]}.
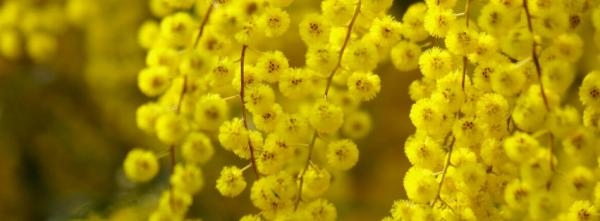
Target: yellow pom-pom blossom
{"type": "Point", "coordinates": [256, 141]}
{"type": "Point", "coordinates": [177, 29]}
{"type": "Point", "coordinates": [424, 152]}
{"type": "Point", "coordinates": [294, 127]}
{"type": "Point", "coordinates": [187, 178]}
{"type": "Point", "coordinates": [412, 22]}
{"type": "Point", "coordinates": [339, 11]}
{"type": "Point", "coordinates": [386, 30]}
{"type": "Point", "coordinates": [438, 21]}
{"type": "Point", "coordinates": [154, 81]}
{"type": "Point", "coordinates": [231, 182]}
{"type": "Point", "coordinates": [211, 111]}
{"type": "Point", "coordinates": [146, 116]}
{"type": "Point", "coordinates": [405, 55]}
{"type": "Point", "coordinates": [321, 59]}
{"type": "Point", "coordinates": [294, 83]}
{"type": "Point", "coordinates": [197, 148]}
{"type": "Point", "coordinates": [520, 147]}
{"type": "Point", "coordinates": [364, 85]}
{"type": "Point", "coordinates": [270, 159]}
{"type": "Point", "coordinates": [271, 65]}
{"type": "Point", "coordinates": [232, 134]}
{"type": "Point", "coordinates": [589, 91]}
{"type": "Point", "coordinates": [140, 165]}
{"type": "Point", "coordinates": [448, 91]}
{"type": "Point", "coordinates": [461, 41]}
{"type": "Point", "coordinates": [582, 211]}
{"type": "Point", "coordinates": [175, 203]}
{"type": "Point", "coordinates": [435, 63]}
{"type": "Point", "coordinates": [507, 81]}
{"type": "Point", "coordinates": [171, 128]}
{"type": "Point", "coordinates": [342, 154]}
{"type": "Point", "coordinates": [484, 49]}
{"type": "Point", "coordinates": [196, 63]}
{"type": "Point", "coordinates": [259, 97]}
{"type": "Point", "coordinates": [492, 108]}
{"type": "Point", "coordinates": [316, 182]}
{"type": "Point", "coordinates": [326, 117]}
{"type": "Point", "coordinates": [251, 77]}
{"type": "Point", "coordinates": [274, 193]}
{"type": "Point", "coordinates": [580, 181]}
{"type": "Point", "coordinates": [321, 210]}
{"type": "Point", "coordinates": [274, 22]}
{"type": "Point", "coordinates": [162, 56]}
{"type": "Point", "coordinates": [314, 29]}
{"type": "Point", "coordinates": [426, 115]}
{"type": "Point", "coordinates": [361, 56]}
{"type": "Point", "coordinates": [420, 185]}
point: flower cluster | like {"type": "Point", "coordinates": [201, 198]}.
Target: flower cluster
{"type": "Point", "coordinates": [498, 134]}
{"type": "Point", "coordinates": [219, 81]}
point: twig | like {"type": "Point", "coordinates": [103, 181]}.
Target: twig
{"type": "Point", "coordinates": [534, 55]}
{"type": "Point", "coordinates": [465, 61]}
{"type": "Point", "coordinates": [344, 45]}
{"type": "Point", "coordinates": [244, 118]}
{"type": "Point", "coordinates": [327, 86]}
{"type": "Point", "coordinates": [445, 171]}
{"type": "Point", "coordinates": [203, 24]}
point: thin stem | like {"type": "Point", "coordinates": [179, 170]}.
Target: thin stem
{"type": "Point", "coordinates": [327, 86]}
{"type": "Point", "coordinates": [534, 55]}
{"type": "Point", "coordinates": [246, 167]}
{"type": "Point", "coordinates": [177, 112]}
{"type": "Point", "coordinates": [181, 95]}
{"type": "Point", "coordinates": [231, 97]}
{"type": "Point", "coordinates": [344, 45]}
{"type": "Point", "coordinates": [465, 61]}
{"type": "Point", "coordinates": [172, 154]}
{"type": "Point", "coordinates": [301, 177]}
{"type": "Point", "coordinates": [551, 152]}
{"type": "Point", "coordinates": [445, 171]}
{"type": "Point", "coordinates": [244, 117]}
{"type": "Point", "coordinates": [203, 24]}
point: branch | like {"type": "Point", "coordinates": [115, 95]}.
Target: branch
{"type": "Point", "coordinates": [329, 80]}
{"type": "Point", "coordinates": [534, 55]}
{"type": "Point", "coordinates": [203, 24]}
{"type": "Point", "coordinates": [244, 118]}
{"type": "Point", "coordinates": [444, 172]}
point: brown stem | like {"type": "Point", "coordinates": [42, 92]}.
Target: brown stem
{"type": "Point", "coordinates": [244, 118]}
{"type": "Point", "coordinates": [464, 73]}
{"type": "Point", "coordinates": [172, 146]}
{"type": "Point", "coordinates": [551, 146]}
{"type": "Point", "coordinates": [310, 150]}
{"type": "Point", "coordinates": [534, 55]}
{"type": "Point", "coordinates": [177, 112]}
{"type": "Point", "coordinates": [172, 154]}
{"type": "Point", "coordinates": [344, 45]}
{"type": "Point", "coordinates": [444, 172]}
{"type": "Point", "coordinates": [203, 24]}
{"type": "Point", "coordinates": [329, 80]}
